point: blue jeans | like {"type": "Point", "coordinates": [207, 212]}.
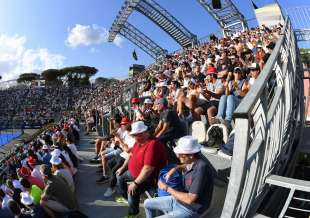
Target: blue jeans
{"type": "Point", "coordinates": [111, 153]}
{"type": "Point", "coordinates": [227, 106]}
{"type": "Point", "coordinates": [133, 200]}
{"type": "Point", "coordinates": [167, 204]}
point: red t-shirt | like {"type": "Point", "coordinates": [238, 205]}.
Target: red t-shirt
{"type": "Point", "coordinates": [36, 181]}
{"type": "Point", "coordinates": [152, 153]}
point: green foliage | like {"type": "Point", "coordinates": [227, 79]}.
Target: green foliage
{"type": "Point", "coordinates": [305, 56]}
{"type": "Point", "coordinates": [104, 81]}
{"type": "Point", "coordinates": [27, 77]}
{"type": "Point", "coordinates": [75, 76]}
{"type": "Point", "coordinates": [78, 75]}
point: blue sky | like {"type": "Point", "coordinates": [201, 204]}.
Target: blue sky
{"type": "Point", "coordinates": [39, 34]}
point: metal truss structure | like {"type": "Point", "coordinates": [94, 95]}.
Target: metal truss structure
{"type": "Point", "coordinates": [166, 22]}
{"type": "Point", "coordinates": [160, 17]}
{"type": "Point", "coordinates": [302, 34]}
{"type": "Point", "coordinates": [142, 41]}
{"type": "Point", "coordinates": [228, 17]}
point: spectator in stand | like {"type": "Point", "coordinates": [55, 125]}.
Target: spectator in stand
{"type": "Point", "coordinates": [25, 173]}
{"type": "Point", "coordinates": [34, 191]}
{"type": "Point", "coordinates": [270, 48]}
{"type": "Point", "coordinates": [46, 155]}
{"type": "Point", "coordinates": [169, 127]}
{"type": "Point", "coordinates": [235, 90]}
{"type": "Point", "coordinates": [59, 170]}
{"type": "Point", "coordinates": [30, 209]}
{"type": "Point", "coordinates": [143, 166]}
{"type": "Point", "coordinates": [57, 196]}
{"type": "Point", "coordinates": [122, 142]}
{"type": "Point", "coordinates": [198, 184]}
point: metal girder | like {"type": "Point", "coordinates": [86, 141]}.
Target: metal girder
{"type": "Point", "coordinates": [141, 40]}
{"type": "Point", "coordinates": [127, 8]}
{"type": "Point", "coordinates": [166, 22]}
{"type": "Point", "coordinates": [302, 34]}
{"type": "Point", "coordinates": [228, 17]}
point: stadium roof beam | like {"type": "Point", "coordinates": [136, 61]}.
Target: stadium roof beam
{"type": "Point", "coordinates": [228, 17]}
{"type": "Point", "coordinates": [166, 22]}
{"type": "Point", "coordinates": [159, 16]}
{"type": "Point", "coordinates": [302, 34]}
{"type": "Point", "coordinates": [142, 41]}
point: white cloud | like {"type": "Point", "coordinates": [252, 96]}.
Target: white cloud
{"type": "Point", "coordinates": [118, 41]}
{"type": "Point", "coordinates": [85, 35]}
{"type": "Point", "coordinates": [15, 58]}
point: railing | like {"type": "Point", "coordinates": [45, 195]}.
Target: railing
{"type": "Point", "coordinates": [268, 126]}
{"type": "Point", "coordinates": [298, 196]}
{"type": "Point", "coordinates": [121, 102]}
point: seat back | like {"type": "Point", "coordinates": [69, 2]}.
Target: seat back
{"type": "Point", "coordinates": [198, 130]}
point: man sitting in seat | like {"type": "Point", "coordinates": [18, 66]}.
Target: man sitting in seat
{"type": "Point", "coordinates": [169, 126]}
{"type": "Point", "coordinates": [198, 184]}
{"type": "Point", "coordinates": [57, 196]}
{"type": "Point", "coordinates": [142, 167]}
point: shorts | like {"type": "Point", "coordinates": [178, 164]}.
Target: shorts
{"type": "Point", "coordinates": [112, 153]}
{"type": "Point", "coordinates": [214, 103]}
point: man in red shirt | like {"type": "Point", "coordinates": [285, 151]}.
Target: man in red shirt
{"type": "Point", "coordinates": [148, 156]}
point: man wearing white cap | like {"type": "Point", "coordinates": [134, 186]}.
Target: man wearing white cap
{"type": "Point", "coordinates": [197, 180]}
{"type": "Point", "coordinates": [143, 166]}
{"type": "Point", "coordinates": [60, 171]}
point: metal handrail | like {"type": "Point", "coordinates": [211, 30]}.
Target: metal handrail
{"type": "Point", "coordinates": [267, 130]}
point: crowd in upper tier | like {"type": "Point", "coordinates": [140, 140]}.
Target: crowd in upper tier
{"type": "Point", "coordinates": [208, 81]}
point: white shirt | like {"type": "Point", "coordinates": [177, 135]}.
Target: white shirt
{"type": "Point", "coordinates": [74, 151]}
{"type": "Point", "coordinates": [130, 142]}
{"type": "Point", "coordinates": [36, 172]}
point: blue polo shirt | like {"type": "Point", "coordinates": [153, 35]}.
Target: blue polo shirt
{"type": "Point", "coordinates": [199, 180]}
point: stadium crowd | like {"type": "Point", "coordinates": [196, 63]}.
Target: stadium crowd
{"type": "Point", "coordinates": [209, 80]}
{"type": "Point", "coordinates": [39, 177]}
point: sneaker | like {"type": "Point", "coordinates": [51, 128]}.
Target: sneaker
{"type": "Point", "coordinates": [121, 200]}
{"type": "Point", "coordinates": [102, 180]}
{"type": "Point", "coordinates": [214, 120]}
{"type": "Point", "coordinates": [109, 192]}
{"type": "Point", "coordinates": [94, 161]}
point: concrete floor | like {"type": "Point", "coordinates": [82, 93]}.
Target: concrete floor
{"type": "Point", "coordinates": [89, 194]}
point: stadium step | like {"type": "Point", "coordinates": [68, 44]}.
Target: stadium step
{"type": "Point", "coordinates": [89, 194]}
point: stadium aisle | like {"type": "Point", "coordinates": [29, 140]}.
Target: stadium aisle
{"type": "Point", "coordinates": [89, 194]}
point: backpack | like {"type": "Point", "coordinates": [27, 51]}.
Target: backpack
{"type": "Point", "coordinates": [215, 136]}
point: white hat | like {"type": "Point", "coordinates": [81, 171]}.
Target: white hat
{"type": "Point", "coordinates": [138, 127]}
{"type": "Point", "coordinates": [148, 101]}
{"type": "Point", "coordinates": [187, 145]}
{"type": "Point", "coordinates": [55, 160]}
{"type": "Point", "coordinates": [56, 152]}
{"type": "Point", "coordinates": [45, 147]}
{"type": "Point", "coordinates": [26, 199]}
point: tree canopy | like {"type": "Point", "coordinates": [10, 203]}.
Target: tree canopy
{"type": "Point", "coordinates": [76, 75]}
{"type": "Point", "coordinates": [305, 56]}
{"type": "Point", "coordinates": [27, 77]}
